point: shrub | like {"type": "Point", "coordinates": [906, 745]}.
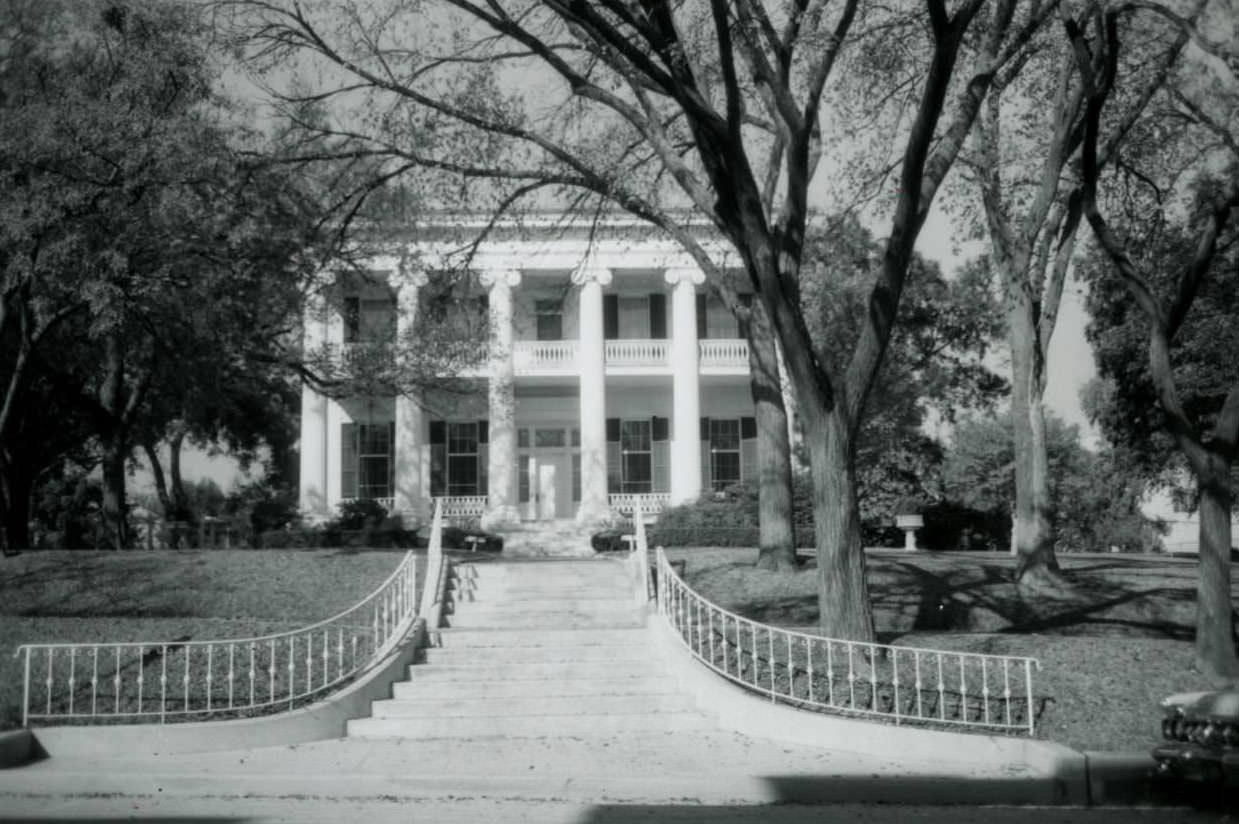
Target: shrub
{"type": "Point", "coordinates": [609, 540]}
{"type": "Point", "coordinates": [455, 537]}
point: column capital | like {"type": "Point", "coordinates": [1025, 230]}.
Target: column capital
{"type": "Point", "coordinates": [679, 275]}
{"type": "Point", "coordinates": [585, 274]}
{"type": "Point", "coordinates": [491, 278]}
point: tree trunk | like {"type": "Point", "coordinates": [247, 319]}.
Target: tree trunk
{"type": "Point", "coordinates": [161, 483]}
{"type": "Point", "coordinates": [1033, 529]}
{"type": "Point", "coordinates": [17, 488]}
{"type": "Point", "coordinates": [180, 501]}
{"type": "Point", "coordinates": [114, 506]}
{"type": "Point", "coordinates": [843, 596]}
{"type": "Point", "coordinates": [777, 538]}
{"type": "Point", "coordinates": [1215, 630]}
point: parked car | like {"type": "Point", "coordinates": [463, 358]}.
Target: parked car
{"type": "Point", "coordinates": [1201, 732]}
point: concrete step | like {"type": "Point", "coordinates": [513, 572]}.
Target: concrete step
{"type": "Point", "coordinates": [478, 595]}
{"type": "Point", "coordinates": [514, 707]}
{"type": "Point", "coordinates": [538, 655]}
{"type": "Point", "coordinates": [527, 725]}
{"type": "Point", "coordinates": [517, 671]}
{"type": "Point", "coordinates": [554, 620]}
{"type": "Point", "coordinates": [534, 570]}
{"type": "Point", "coordinates": [422, 688]}
{"type": "Point", "coordinates": [486, 638]}
{"type": "Point", "coordinates": [526, 606]}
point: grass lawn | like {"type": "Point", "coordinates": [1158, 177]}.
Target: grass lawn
{"type": "Point", "coordinates": [1110, 650]}
{"type": "Point", "coordinates": [163, 595]}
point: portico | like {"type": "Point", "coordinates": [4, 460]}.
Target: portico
{"type": "Point", "coordinates": [612, 375]}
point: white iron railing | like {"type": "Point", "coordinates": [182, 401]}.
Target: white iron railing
{"type": "Point", "coordinates": [641, 555]}
{"type": "Point", "coordinates": [183, 680]}
{"type": "Point", "coordinates": [724, 352]}
{"type": "Point", "coordinates": [904, 684]}
{"type": "Point", "coordinates": [626, 503]}
{"type": "Point", "coordinates": [637, 352]}
{"type": "Point", "coordinates": [462, 506]}
{"type": "Point", "coordinates": [435, 567]}
{"type": "Point", "coordinates": [544, 355]}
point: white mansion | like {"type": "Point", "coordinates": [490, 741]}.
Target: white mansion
{"type": "Point", "coordinates": [612, 375]}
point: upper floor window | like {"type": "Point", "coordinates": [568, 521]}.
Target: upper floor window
{"type": "Point", "coordinates": [369, 320]}
{"type": "Point", "coordinates": [550, 318]}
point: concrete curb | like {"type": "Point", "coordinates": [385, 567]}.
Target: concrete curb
{"type": "Point", "coordinates": [321, 720]}
{"type": "Point", "coordinates": [1126, 779]}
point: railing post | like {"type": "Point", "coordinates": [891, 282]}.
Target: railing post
{"type": "Point", "coordinates": [26, 690]}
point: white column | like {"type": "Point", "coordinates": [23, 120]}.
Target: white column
{"type": "Point", "coordinates": [686, 397]}
{"type": "Point", "coordinates": [591, 360]}
{"type": "Point", "coordinates": [409, 493]}
{"type": "Point", "coordinates": [312, 484]}
{"type": "Point", "coordinates": [502, 490]}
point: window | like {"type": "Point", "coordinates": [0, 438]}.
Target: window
{"type": "Point", "coordinates": [634, 317]}
{"type": "Point", "coordinates": [550, 317]}
{"type": "Point", "coordinates": [724, 453]}
{"type": "Point", "coordinates": [462, 458]}
{"type": "Point", "coordinates": [374, 460]}
{"type": "Point", "coordinates": [635, 448]}
{"type": "Point", "coordinates": [369, 320]}
{"type": "Point", "coordinates": [549, 438]}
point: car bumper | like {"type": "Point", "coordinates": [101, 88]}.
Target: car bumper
{"type": "Point", "coordinates": [1196, 763]}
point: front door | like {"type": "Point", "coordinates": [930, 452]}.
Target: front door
{"type": "Point", "coordinates": [548, 486]}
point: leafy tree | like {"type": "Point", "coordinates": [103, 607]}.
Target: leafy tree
{"type": "Point", "coordinates": [1170, 242]}
{"type": "Point", "coordinates": [719, 105]}
{"type": "Point", "coordinates": [1022, 166]}
{"type": "Point", "coordinates": [934, 369]}
{"type": "Point", "coordinates": [1098, 510]}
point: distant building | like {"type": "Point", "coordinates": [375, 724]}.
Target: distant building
{"type": "Point", "coordinates": [612, 376]}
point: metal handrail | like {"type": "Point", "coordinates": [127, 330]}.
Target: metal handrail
{"type": "Point", "coordinates": [928, 686]}
{"type": "Point", "coordinates": [255, 673]}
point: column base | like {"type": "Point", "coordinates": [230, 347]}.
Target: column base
{"type": "Point", "coordinates": [595, 516]}
{"type": "Point", "coordinates": [500, 518]}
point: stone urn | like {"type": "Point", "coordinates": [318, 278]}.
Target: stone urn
{"type": "Point", "coordinates": [908, 518]}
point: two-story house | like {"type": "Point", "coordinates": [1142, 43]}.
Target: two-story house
{"type": "Point", "coordinates": [612, 374]}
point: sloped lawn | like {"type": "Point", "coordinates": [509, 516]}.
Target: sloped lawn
{"type": "Point", "coordinates": [1110, 649]}
{"type": "Point", "coordinates": [172, 595]}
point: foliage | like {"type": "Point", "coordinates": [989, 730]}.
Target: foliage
{"type": "Point", "coordinates": [1097, 505]}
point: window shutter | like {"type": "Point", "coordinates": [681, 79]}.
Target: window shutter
{"type": "Point", "coordinates": [702, 329]}
{"type": "Point", "coordinates": [610, 317]}
{"type": "Point", "coordinates": [748, 428]}
{"type": "Point", "coordinates": [660, 429]}
{"type": "Point", "coordinates": [352, 319]}
{"type": "Point", "coordinates": [613, 430]}
{"type": "Point", "coordinates": [438, 459]}
{"type": "Point", "coordinates": [615, 467]}
{"type": "Point", "coordinates": [483, 432]}
{"type": "Point", "coordinates": [348, 460]}
{"type": "Point", "coordinates": [706, 475]}
{"type": "Point", "coordinates": [660, 459]}
{"type": "Point", "coordinates": [658, 316]}
{"type": "Point", "coordinates": [483, 486]}
{"type": "Point", "coordinates": [748, 450]}
{"type": "Point", "coordinates": [391, 460]}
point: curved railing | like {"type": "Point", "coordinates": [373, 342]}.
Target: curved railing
{"type": "Point", "coordinates": [183, 680]}
{"type": "Point", "coordinates": [903, 684]}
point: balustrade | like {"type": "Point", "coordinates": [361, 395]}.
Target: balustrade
{"type": "Point", "coordinates": [544, 355]}
{"type": "Point", "coordinates": [651, 503]}
{"type": "Point", "coordinates": [724, 352]}
{"type": "Point", "coordinates": [637, 352]}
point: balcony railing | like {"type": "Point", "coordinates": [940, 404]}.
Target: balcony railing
{"type": "Point", "coordinates": [455, 507]}
{"type": "Point", "coordinates": [545, 356]}
{"type": "Point", "coordinates": [724, 352]}
{"type": "Point", "coordinates": [651, 503]}
{"type": "Point", "coordinates": [552, 356]}
{"type": "Point", "coordinates": [638, 352]}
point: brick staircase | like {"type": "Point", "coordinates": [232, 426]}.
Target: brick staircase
{"type": "Point", "coordinates": [536, 649]}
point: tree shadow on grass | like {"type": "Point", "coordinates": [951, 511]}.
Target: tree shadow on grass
{"type": "Point", "coordinates": [1094, 604]}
